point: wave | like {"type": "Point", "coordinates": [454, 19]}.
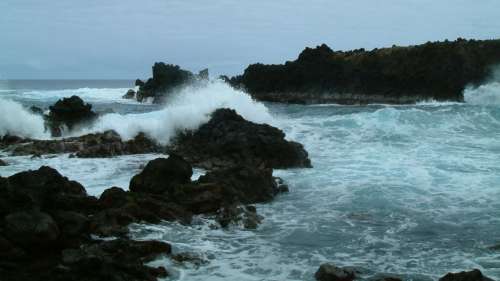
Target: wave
{"type": "Point", "coordinates": [17, 120]}
{"type": "Point", "coordinates": [186, 110]}
{"type": "Point", "coordinates": [93, 95]}
{"type": "Point", "coordinates": [487, 94]}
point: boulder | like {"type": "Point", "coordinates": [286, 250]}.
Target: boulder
{"type": "Point", "coordinates": [161, 175]}
{"type": "Point", "coordinates": [473, 275]}
{"type": "Point", "coordinates": [31, 229]}
{"type": "Point", "coordinates": [70, 112]}
{"type": "Point", "coordinates": [129, 95]}
{"type": "Point", "coordinates": [228, 140]}
{"type": "Point", "coordinates": [330, 272]}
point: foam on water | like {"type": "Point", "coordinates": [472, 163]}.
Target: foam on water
{"type": "Point", "coordinates": [187, 109]}
{"type": "Point", "coordinates": [487, 94]}
{"type": "Point", "coordinates": [16, 120]}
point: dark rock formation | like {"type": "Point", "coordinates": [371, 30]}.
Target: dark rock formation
{"type": "Point", "coordinates": [70, 112]}
{"type": "Point", "coordinates": [166, 79]}
{"type": "Point", "coordinates": [228, 140]}
{"type": "Point", "coordinates": [398, 75]}
{"type": "Point", "coordinates": [3, 163]}
{"type": "Point", "coordinates": [330, 272]}
{"type": "Point", "coordinates": [473, 275]}
{"type": "Point", "coordinates": [96, 145]}
{"type": "Point", "coordinates": [36, 110]}
{"type": "Point", "coordinates": [129, 95]}
{"type": "Point", "coordinates": [162, 175]}
{"type": "Point", "coordinates": [45, 234]}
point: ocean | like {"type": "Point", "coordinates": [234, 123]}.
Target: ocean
{"type": "Point", "coordinates": [409, 189]}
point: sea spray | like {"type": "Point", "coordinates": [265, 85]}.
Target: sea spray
{"type": "Point", "coordinates": [185, 110]}
{"type": "Point", "coordinates": [486, 94]}
{"type": "Point", "coordinates": [17, 120]}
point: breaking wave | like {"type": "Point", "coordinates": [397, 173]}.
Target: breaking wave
{"type": "Point", "coordinates": [487, 94]}
{"type": "Point", "coordinates": [17, 120]}
{"type": "Point", "coordinates": [186, 110]}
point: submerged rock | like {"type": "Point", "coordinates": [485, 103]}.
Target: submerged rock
{"type": "Point", "coordinates": [228, 140]}
{"type": "Point", "coordinates": [330, 272]}
{"type": "Point", "coordinates": [398, 75]}
{"type": "Point", "coordinates": [473, 275]}
{"type": "Point", "coordinates": [3, 163]}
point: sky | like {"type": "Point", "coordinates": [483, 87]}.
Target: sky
{"type": "Point", "coordinates": [121, 39]}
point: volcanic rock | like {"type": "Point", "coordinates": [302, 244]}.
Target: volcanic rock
{"type": "Point", "coordinates": [330, 272]}
{"type": "Point", "coordinates": [228, 140]}
{"type": "Point", "coordinates": [473, 275]}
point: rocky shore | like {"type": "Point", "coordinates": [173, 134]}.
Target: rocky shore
{"type": "Point", "coordinates": [399, 75]}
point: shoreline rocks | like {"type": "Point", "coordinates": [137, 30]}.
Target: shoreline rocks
{"type": "Point", "coordinates": [398, 75]}
{"type": "Point", "coordinates": [228, 140]}
{"type": "Point", "coordinates": [98, 145]}
{"type": "Point", "coordinates": [69, 112]}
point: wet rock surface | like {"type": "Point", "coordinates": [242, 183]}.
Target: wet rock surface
{"type": "Point", "coordinates": [70, 112]}
{"type": "Point", "coordinates": [166, 79]}
{"type": "Point", "coordinates": [228, 140]}
{"type": "Point", "coordinates": [398, 75]}
{"type": "Point", "coordinates": [330, 272]}
{"type": "Point", "coordinates": [106, 144]}
{"type": "Point", "coordinates": [473, 275]}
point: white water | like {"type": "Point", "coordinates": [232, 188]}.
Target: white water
{"type": "Point", "coordinates": [186, 110]}
{"type": "Point", "coordinates": [17, 120]}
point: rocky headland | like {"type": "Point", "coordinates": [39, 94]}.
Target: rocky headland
{"type": "Point", "coordinates": [399, 75]}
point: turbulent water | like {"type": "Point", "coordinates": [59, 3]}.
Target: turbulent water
{"type": "Point", "coordinates": [398, 189]}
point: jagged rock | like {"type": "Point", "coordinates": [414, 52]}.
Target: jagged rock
{"type": "Point", "coordinates": [228, 140]}
{"type": "Point", "coordinates": [106, 144]}
{"type": "Point", "coordinates": [166, 79]}
{"type": "Point", "coordinates": [192, 258]}
{"type": "Point", "coordinates": [129, 95]}
{"type": "Point", "coordinates": [330, 272]}
{"type": "Point", "coordinates": [161, 175]}
{"type": "Point", "coordinates": [473, 275]}
{"type": "Point", "coordinates": [234, 214]}
{"type": "Point", "coordinates": [399, 75]}
{"type": "Point", "coordinates": [70, 112]}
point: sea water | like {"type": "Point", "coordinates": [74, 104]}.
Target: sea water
{"type": "Point", "coordinates": [411, 190]}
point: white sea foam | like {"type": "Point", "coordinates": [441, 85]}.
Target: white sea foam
{"type": "Point", "coordinates": [16, 120]}
{"type": "Point", "coordinates": [486, 94]}
{"type": "Point", "coordinates": [187, 109]}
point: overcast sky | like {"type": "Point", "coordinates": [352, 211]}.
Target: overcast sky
{"type": "Point", "coordinates": [122, 38]}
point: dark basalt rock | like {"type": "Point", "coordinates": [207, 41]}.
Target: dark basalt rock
{"type": "Point", "coordinates": [330, 272]}
{"type": "Point", "coordinates": [129, 95]}
{"type": "Point", "coordinates": [473, 275]}
{"type": "Point", "coordinates": [36, 110]}
{"type": "Point", "coordinates": [161, 175]}
{"type": "Point", "coordinates": [98, 145]}
{"type": "Point", "coordinates": [166, 79]}
{"type": "Point", "coordinates": [228, 140]}
{"type": "Point", "coordinates": [398, 75]}
{"type": "Point", "coordinates": [70, 112]}
{"type": "Point", "coordinates": [45, 233]}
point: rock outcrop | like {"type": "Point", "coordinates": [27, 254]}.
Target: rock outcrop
{"type": "Point", "coordinates": [330, 272]}
{"type": "Point", "coordinates": [228, 140]}
{"type": "Point", "coordinates": [397, 75]}
{"type": "Point", "coordinates": [166, 79]}
{"type": "Point", "coordinates": [70, 112]}
{"type": "Point", "coordinates": [96, 145]}
{"type": "Point", "coordinates": [45, 234]}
